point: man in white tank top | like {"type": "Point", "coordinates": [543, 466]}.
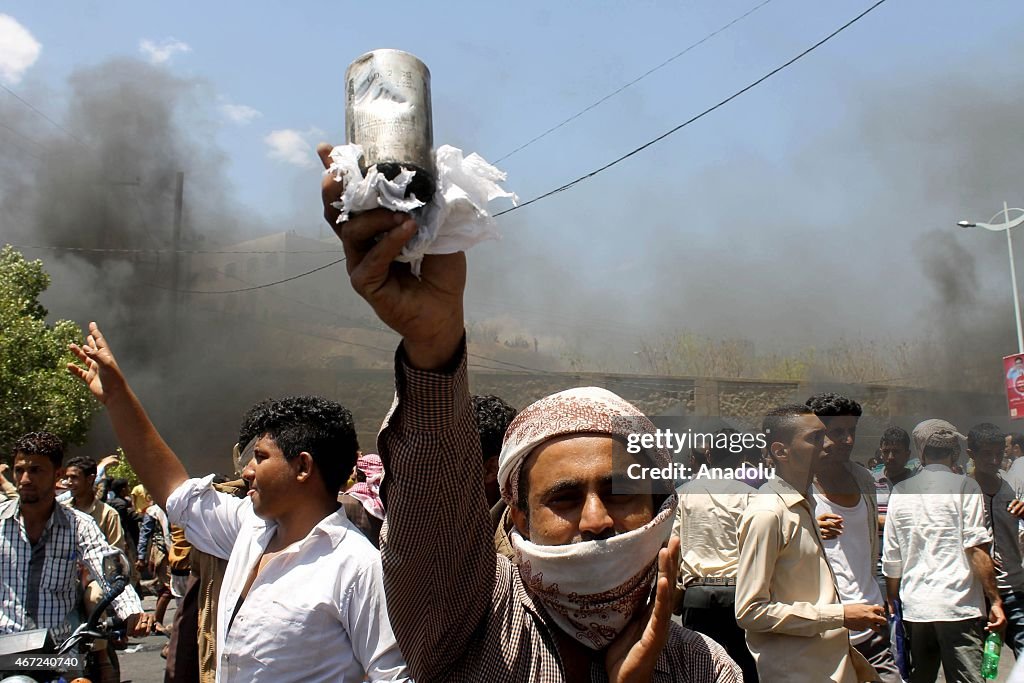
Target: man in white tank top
{"type": "Point", "coordinates": [847, 512]}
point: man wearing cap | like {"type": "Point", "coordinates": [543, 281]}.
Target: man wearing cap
{"type": "Point", "coordinates": [576, 603]}
{"type": "Point", "coordinates": [936, 561]}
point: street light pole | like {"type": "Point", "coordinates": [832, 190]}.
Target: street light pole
{"type": "Point", "coordinates": [1007, 226]}
{"type": "Point", "coordinates": [1013, 279]}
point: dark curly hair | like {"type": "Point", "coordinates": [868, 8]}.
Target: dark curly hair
{"type": "Point", "coordinates": [493, 416]}
{"type": "Point", "coordinates": [984, 434]}
{"type": "Point", "coordinates": [829, 404]}
{"type": "Point", "coordinates": [84, 463]}
{"type": "Point", "coordinates": [895, 436]}
{"type": "Point", "coordinates": [40, 443]}
{"type": "Point", "coordinates": [313, 424]}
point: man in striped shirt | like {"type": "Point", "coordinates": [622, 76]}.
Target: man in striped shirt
{"type": "Point", "coordinates": [42, 544]}
{"type": "Point", "coordinates": [459, 611]}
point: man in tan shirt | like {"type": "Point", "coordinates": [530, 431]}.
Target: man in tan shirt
{"type": "Point", "coordinates": [80, 475]}
{"type": "Point", "coordinates": [786, 597]}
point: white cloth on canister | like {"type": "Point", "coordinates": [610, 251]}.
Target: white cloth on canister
{"type": "Point", "coordinates": [455, 219]}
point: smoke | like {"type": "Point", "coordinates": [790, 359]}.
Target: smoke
{"type": "Point", "coordinates": [106, 179]}
{"type": "Point", "coordinates": [843, 236]}
{"type": "Point", "coordinates": [844, 240]}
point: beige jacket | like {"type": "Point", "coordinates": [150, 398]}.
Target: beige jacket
{"type": "Point", "coordinates": [786, 597]}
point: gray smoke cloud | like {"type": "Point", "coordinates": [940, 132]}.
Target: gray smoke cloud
{"type": "Point", "coordinates": [849, 236]}
{"type": "Point", "coordinates": [107, 180]}
{"type": "Point", "coordinates": [847, 245]}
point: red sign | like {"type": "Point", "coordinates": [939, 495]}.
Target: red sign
{"type": "Point", "coordinates": [1013, 374]}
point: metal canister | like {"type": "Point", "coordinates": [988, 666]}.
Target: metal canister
{"type": "Point", "coordinates": [387, 111]}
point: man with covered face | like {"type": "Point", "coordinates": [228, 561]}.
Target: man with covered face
{"type": "Point", "coordinates": [575, 604]}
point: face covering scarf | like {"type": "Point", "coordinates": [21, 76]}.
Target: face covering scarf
{"type": "Point", "coordinates": [590, 589]}
{"type": "Point", "coordinates": [593, 589]}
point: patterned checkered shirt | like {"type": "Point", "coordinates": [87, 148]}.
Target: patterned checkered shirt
{"type": "Point", "coordinates": [39, 584]}
{"type": "Point", "coordinates": [459, 611]}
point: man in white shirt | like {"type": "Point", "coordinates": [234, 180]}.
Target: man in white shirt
{"type": "Point", "coordinates": [936, 561]}
{"type": "Point", "coordinates": [1015, 452]}
{"type": "Point", "coordinates": [302, 598]}
{"type": "Point", "coordinates": [846, 506]}
{"type": "Point", "coordinates": [707, 520]}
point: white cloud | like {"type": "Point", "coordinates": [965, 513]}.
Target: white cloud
{"type": "Point", "coordinates": [18, 49]}
{"type": "Point", "coordinates": [159, 53]}
{"type": "Point", "coordinates": [239, 113]}
{"type": "Point", "coordinates": [292, 147]}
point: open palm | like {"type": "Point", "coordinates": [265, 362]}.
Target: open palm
{"type": "Point", "coordinates": [98, 370]}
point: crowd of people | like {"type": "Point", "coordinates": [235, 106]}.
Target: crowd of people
{"type": "Point", "coordinates": [482, 543]}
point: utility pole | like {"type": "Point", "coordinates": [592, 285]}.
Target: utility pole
{"type": "Point", "coordinates": [179, 198]}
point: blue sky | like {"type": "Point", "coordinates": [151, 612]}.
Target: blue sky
{"type": "Point", "coordinates": [503, 74]}
{"type": "Point", "coordinates": [799, 162]}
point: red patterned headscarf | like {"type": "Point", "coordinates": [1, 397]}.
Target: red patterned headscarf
{"type": "Point", "coordinates": [591, 589]}
{"type": "Point", "coordinates": [574, 411]}
{"type": "Point", "coordinates": [368, 492]}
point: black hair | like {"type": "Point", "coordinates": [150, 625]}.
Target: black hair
{"type": "Point", "coordinates": [313, 424]}
{"type": "Point", "coordinates": [84, 463]}
{"type": "Point", "coordinates": [1017, 439]}
{"type": "Point", "coordinates": [895, 436]}
{"type": "Point", "coordinates": [493, 416]}
{"type": "Point", "coordinates": [984, 434]}
{"type": "Point", "coordinates": [780, 422]}
{"type": "Point", "coordinates": [40, 443]}
{"type": "Point", "coordinates": [118, 484]}
{"type": "Point", "coordinates": [830, 404]}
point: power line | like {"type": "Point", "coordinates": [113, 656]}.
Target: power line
{"type": "Point", "coordinates": [699, 116]}
{"type": "Point", "coordinates": [632, 82]}
{"type": "Point", "coordinates": [29, 105]}
{"type": "Point", "coordinates": [572, 183]}
{"type": "Point", "coordinates": [22, 147]}
{"type": "Point", "coordinates": [248, 289]}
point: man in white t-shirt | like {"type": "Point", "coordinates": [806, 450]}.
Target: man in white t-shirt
{"type": "Point", "coordinates": [303, 597]}
{"type": "Point", "coordinates": [847, 512]}
{"type": "Point", "coordinates": [936, 561]}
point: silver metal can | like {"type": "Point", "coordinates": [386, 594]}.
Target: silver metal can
{"type": "Point", "coordinates": [387, 111]}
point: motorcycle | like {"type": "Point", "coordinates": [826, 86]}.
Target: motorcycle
{"type": "Point", "coordinates": [32, 657]}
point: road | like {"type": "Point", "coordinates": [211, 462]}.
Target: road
{"type": "Point", "coordinates": [147, 666]}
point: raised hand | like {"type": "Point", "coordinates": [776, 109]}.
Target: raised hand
{"type": "Point", "coordinates": [427, 311]}
{"type": "Point", "coordinates": [631, 657]}
{"type": "Point", "coordinates": [100, 372]}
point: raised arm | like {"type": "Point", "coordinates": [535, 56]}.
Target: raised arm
{"type": "Point", "coordinates": [436, 546]}
{"type": "Point", "coordinates": [157, 466]}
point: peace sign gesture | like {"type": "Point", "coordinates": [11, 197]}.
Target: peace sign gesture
{"type": "Point", "coordinates": [101, 373]}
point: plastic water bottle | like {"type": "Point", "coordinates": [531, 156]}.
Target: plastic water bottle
{"type": "Point", "coordinates": [990, 656]}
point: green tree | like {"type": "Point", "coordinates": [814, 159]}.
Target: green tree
{"type": "Point", "coordinates": [122, 470]}
{"type": "Point", "coordinates": [36, 391]}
